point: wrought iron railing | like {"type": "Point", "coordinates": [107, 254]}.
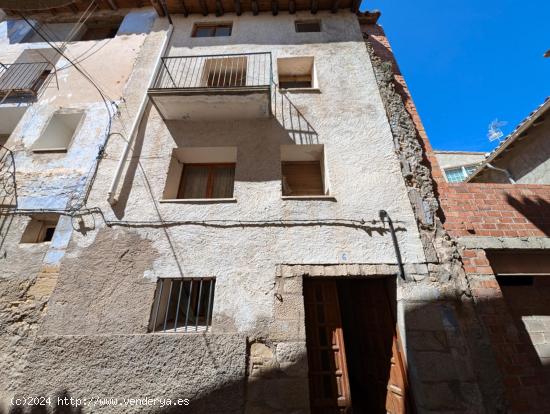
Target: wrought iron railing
{"type": "Point", "coordinates": [25, 79]}
{"type": "Point", "coordinates": [248, 70]}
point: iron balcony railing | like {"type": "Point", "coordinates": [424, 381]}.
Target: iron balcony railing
{"type": "Point", "coordinates": [247, 70]}
{"type": "Point", "coordinates": [23, 79]}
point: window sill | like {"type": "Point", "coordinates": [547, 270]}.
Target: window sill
{"type": "Point", "coordinates": [310, 197]}
{"type": "Point", "coordinates": [198, 200]}
{"type": "Point", "coordinates": [300, 90]}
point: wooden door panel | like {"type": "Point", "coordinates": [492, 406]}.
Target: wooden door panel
{"type": "Point", "coordinates": [377, 369]}
{"type": "Point", "coordinates": [329, 387]}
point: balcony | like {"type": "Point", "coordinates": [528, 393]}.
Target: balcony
{"type": "Point", "coordinates": [213, 87]}
{"type": "Point", "coordinates": [23, 80]}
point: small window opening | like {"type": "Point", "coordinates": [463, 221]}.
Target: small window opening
{"type": "Point", "coordinates": [40, 230]}
{"type": "Point", "coordinates": [183, 305]}
{"type": "Point", "coordinates": [303, 170]}
{"type": "Point", "coordinates": [59, 133]}
{"type": "Point", "coordinates": [302, 178]}
{"type": "Point", "coordinates": [101, 30]}
{"type": "Point", "coordinates": [296, 72]}
{"type": "Point", "coordinates": [306, 26]}
{"type": "Point", "coordinates": [9, 119]}
{"type": "Point", "coordinates": [212, 30]}
{"type": "Point", "coordinates": [207, 181]}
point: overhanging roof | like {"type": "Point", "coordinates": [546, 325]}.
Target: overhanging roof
{"type": "Point", "coordinates": [185, 7]}
{"type": "Point", "coordinates": [516, 135]}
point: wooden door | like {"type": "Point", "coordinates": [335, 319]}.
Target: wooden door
{"type": "Point", "coordinates": [328, 378]}
{"type": "Point", "coordinates": [359, 318]}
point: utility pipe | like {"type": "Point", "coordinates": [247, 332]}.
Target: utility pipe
{"type": "Point", "coordinates": [384, 215]}
{"type": "Point", "coordinates": [492, 167]}
{"type": "Point", "coordinates": [137, 120]}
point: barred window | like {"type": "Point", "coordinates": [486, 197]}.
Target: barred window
{"type": "Point", "coordinates": [183, 305]}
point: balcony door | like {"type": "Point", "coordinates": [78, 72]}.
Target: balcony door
{"type": "Point", "coordinates": [355, 363]}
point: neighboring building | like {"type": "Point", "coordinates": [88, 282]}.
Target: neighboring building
{"type": "Point", "coordinates": [54, 126]}
{"type": "Point", "coordinates": [502, 231]}
{"type": "Point", "coordinates": [458, 165]}
{"type": "Point", "coordinates": [235, 213]}
{"type": "Point", "coordinates": [523, 156]}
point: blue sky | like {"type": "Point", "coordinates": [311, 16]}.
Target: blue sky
{"type": "Point", "coordinates": [468, 62]}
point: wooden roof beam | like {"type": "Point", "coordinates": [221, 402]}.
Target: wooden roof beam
{"type": "Point", "coordinates": [291, 6]}
{"type": "Point", "coordinates": [275, 7]}
{"type": "Point", "coordinates": [314, 6]}
{"type": "Point", "coordinates": [204, 7]}
{"type": "Point", "coordinates": [219, 8]}
{"type": "Point", "coordinates": [158, 7]}
{"type": "Point", "coordinates": [112, 4]}
{"type": "Point", "coordinates": [184, 7]}
{"type": "Point", "coordinates": [255, 8]}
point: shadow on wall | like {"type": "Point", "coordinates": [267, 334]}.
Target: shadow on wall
{"type": "Point", "coordinates": [461, 358]}
{"type": "Point", "coordinates": [293, 121]}
{"type": "Point", "coordinates": [536, 210]}
{"type": "Point", "coordinates": [275, 392]}
{"type": "Point", "coordinates": [498, 343]}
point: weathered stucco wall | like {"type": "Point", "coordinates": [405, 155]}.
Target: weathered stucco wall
{"type": "Point", "coordinates": [107, 279]}
{"type": "Point", "coordinates": [53, 181]}
{"type": "Point", "coordinates": [91, 338]}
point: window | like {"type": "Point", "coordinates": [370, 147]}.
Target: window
{"type": "Point", "coordinates": [225, 72]}
{"type": "Point", "coordinates": [296, 72]}
{"type": "Point", "coordinates": [212, 29]}
{"type": "Point", "coordinates": [9, 118]}
{"type": "Point", "coordinates": [207, 181]}
{"type": "Point", "coordinates": [201, 173]}
{"type": "Point", "coordinates": [101, 30]}
{"type": "Point", "coordinates": [59, 133]}
{"type": "Point", "coordinates": [459, 174]}
{"type": "Point", "coordinates": [306, 26]}
{"type": "Point", "coordinates": [303, 170]}
{"type": "Point", "coordinates": [183, 305]}
{"type": "Point", "coordinates": [40, 229]}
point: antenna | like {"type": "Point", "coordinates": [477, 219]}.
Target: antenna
{"type": "Point", "coordinates": [495, 131]}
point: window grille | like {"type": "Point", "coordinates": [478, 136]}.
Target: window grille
{"type": "Point", "coordinates": [183, 305]}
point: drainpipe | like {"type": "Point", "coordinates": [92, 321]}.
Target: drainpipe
{"type": "Point", "coordinates": [384, 215]}
{"type": "Point", "coordinates": [137, 120]}
{"type": "Point", "coordinates": [492, 167]}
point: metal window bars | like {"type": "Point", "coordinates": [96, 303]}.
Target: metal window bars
{"type": "Point", "coordinates": [23, 79]}
{"type": "Point", "coordinates": [247, 70]}
{"type": "Point", "coordinates": [183, 305]}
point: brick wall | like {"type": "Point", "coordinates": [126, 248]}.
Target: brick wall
{"type": "Point", "coordinates": [498, 210]}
